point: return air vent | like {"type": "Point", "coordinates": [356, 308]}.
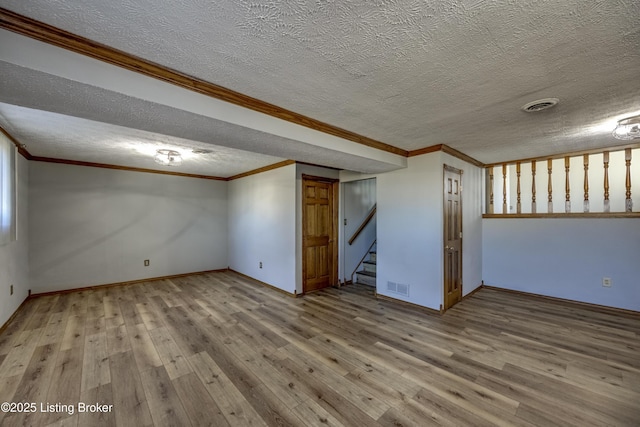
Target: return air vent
{"type": "Point", "coordinates": [398, 288]}
{"type": "Point", "coordinates": [540, 104]}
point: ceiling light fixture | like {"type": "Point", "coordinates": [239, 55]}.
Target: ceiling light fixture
{"type": "Point", "coordinates": [628, 128]}
{"type": "Point", "coordinates": [168, 157]}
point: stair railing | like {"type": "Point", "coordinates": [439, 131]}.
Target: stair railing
{"type": "Point", "coordinates": [511, 184]}
{"type": "Point", "coordinates": [363, 258]}
{"type": "Point", "coordinates": [366, 221]}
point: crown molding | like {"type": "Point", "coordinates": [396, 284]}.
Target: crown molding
{"type": "Point", "coordinates": [460, 155]}
{"type": "Point", "coordinates": [123, 168]}
{"type": "Point", "coordinates": [446, 149]}
{"type": "Point", "coordinates": [262, 169]}
{"type": "Point", "coordinates": [23, 151]}
{"type": "Point", "coordinates": [21, 147]}
{"type": "Point", "coordinates": [425, 150]}
{"type": "Point", "coordinates": [55, 36]}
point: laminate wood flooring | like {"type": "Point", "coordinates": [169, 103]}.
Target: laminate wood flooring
{"type": "Point", "coordinates": [220, 350]}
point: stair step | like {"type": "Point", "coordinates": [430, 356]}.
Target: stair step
{"type": "Point", "coordinates": [372, 256]}
{"type": "Point", "coordinates": [366, 278]}
{"type": "Point", "coordinates": [367, 273]}
{"type": "Point", "coordinates": [369, 262]}
{"type": "Point", "coordinates": [369, 266]}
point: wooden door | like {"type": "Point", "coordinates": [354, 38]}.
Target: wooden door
{"type": "Point", "coordinates": [319, 240]}
{"type": "Point", "coordinates": [452, 236]}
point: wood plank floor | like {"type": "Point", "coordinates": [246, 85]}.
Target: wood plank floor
{"type": "Point", "coordinates": [219, 350]}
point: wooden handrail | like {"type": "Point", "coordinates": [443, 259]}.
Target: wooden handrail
{"type": "Point", "coordinates": [366, 221]}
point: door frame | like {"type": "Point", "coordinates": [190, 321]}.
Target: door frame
{"type": "Point", "coordinates": [333, 239]}
{"type": "Point", "coordinates": [444, 236]}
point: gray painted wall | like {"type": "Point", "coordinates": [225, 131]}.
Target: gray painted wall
{"type": "Point", "coordinates": [565, 258]}
{"type": "Point", "coordinates": [91, 226]}
{"type": "Point", "coordinates": [262, 217]}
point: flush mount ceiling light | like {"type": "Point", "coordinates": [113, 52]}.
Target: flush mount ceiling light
{"type": "Point", "coordinates": [540, 104]}
{"type": "Point", "coordinates": [168, 157]}
{"type": "Point", "coordinates": [628, 128]}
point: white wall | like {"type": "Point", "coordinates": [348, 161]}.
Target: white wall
{"type": "Point", "coordinates": [410, 222]}
{"type": "Point", "coordinates": [91, 226]}
{"type": "Point", "coordinates": [262, 218]}
{"type": "Point", "coordinates": [565, 258]}
{"type": "Point", "coordinates": [14, 268]}
{"type": "Point", "coordinates": [410, 228]}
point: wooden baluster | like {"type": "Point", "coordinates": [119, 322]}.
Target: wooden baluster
{"type": "Point", "coordinates": [605, 158]}
{"type": "Point", "coordinates": [504, 189]}
{"type": "Point", "coordinates": [549, 187]}
{"type": "Point", "coordinates": [586, 182]}
{"type": "Point", "coordinates": [533, 186]}
{"type": "Point", "coordinates": [567, 197]}
{"type": "Point", "coordinates": [628, 203]}
{"type": "Point", "coordinates": [491, 190]}
{"type": "Point", "coordinates": [518, 206]}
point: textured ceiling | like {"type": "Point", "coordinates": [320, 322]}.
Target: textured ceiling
{"type": "Point", "coordinates": [408, 73]}
{"type": "Point", "coordinates": [118, 114]}
{"type": "Point", "coordinates": [64, 137]}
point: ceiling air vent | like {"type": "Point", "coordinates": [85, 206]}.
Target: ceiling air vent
{"type": "Point", "coordinates": [201, 151]}
{"type": "Point", "coordinates": [540, 104]}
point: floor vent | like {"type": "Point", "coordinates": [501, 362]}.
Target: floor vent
{"type": "Point", "coordinates": [398, 288]}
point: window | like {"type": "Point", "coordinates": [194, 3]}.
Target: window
{"type": "Point", "coordinates": [7, 190]}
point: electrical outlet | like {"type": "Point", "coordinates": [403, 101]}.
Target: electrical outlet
{"type": "Point", "coordinates": [11, 290]}
{"type": "Point", "coordinates": [607, 282]}
{"type": "Point", "coordinates": [146, 263]}
{"type": "Point", "coordinates": [260, 264]}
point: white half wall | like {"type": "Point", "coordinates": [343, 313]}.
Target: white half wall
{"type": "Point", "coordinates": [565, 258]}
{"type": "Point", "coordinates": [92, 226]}
{"type": "Point", "coordinates": [14, 266]}
{"type": "Point", "coordinates": [262, 218]}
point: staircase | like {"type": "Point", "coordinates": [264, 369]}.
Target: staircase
{"type": "Point", "coordinates": [367, 276]}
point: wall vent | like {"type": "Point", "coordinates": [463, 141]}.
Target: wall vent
{"type": "Point", "coordinates": [398, 288]}
{"type": "Point", "coordinates": [392, 286]}
{"type": "Point", "coordinates": [403, 289]}
{"type": "Point", "coordinates": [540, 104]}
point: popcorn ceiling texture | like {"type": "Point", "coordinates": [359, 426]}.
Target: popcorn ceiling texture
{"type": "Point", "coordinates": [74, 110]}
{"type": "Point", "coordinates": [63, 137]}
{"type": "Point", "coordinates": [409, 73]}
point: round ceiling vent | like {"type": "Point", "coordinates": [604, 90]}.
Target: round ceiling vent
{"type": "Point", "coordinates": [540, 104]}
